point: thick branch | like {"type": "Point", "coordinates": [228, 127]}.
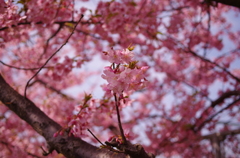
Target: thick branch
{"type": "Point", "coordinates": [220, 111]}
{"type": "Point", "coordinates": [234, 3]}
{"type": "Point", "coordinates": [70, 147]}
{"type": "Point", "coordinates": [224, 96]}
{"type": "Point", "coordinates": [218, 101]}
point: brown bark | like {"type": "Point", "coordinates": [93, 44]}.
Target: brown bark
{"type": "Point", "coordinates": [70, 147]}
{"type": "Point", "coordinates": [234, 3]}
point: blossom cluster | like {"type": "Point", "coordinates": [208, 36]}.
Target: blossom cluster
{"type": "Point", "coordinates": [123, 75]}
{"type": "Point", "coordinates": [79, 122]}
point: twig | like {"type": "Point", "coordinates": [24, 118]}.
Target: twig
{"type": "Point", "coordinates": [188, 50]}
{"type": "Point", "coordinates": [48, 40]}
{"type": "Point", "coordinates": [119, 119]}
{"type": "Point", "coordinates": [210, 118]}
{"type": "Point", "coordinates": [95, 137]}
{"type": "Point", "coordinates": [214, 63]}
{"type": "Point", "coordinates": [59, 6]}
{"type": "Point", "coordinates": [25, 91]}
{"type": "Point", "coordinates": [215, 103]}
{"type": "Point", "coordinates": [209, 30]}
{"type": "Point", "coordinates": [20, 68]}
{"type": "Point", "coordinates": [73, 10]}
{"type": "Point", "coordinates": [229, 53]}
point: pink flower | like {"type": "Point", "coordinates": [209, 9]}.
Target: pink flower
{"type": "Point", "coordinates": [123, 78]}
{"type": "Point", "coordinates": [119, 56]}
{"type": "Point", "coordinates": [114, 56]}
{"type": "Point", "coordinates": [126, 56]}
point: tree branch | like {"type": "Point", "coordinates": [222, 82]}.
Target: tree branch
{"type": "Point", "coordinates": [216, 102]}
{"type": "Point", "coordinates": [234, 3]}
{"type": "Point", "coordinates": [48, 40]}
{"type": "Point", "coordinates": [117, 104]}
{"type": "Point", "coordinates": [224, 96]}
{"type": "Point", "coordinates": [40, 22]}
{"type": "Point", "coordinates": [20, 68]}
{"type": "Point", "coordinates": [220, 111]}
{"type": "Point", "coordinates": [214, 63]}
{"type": "Point", "coordinates": [69, 146]}
{"type": "Point", "coordinates": [25, 91]}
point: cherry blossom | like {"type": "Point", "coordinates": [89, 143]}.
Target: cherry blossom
{"type": "Point", "coordinates": [173, 74]}
{"type": "Point", "coordinates": [127, 77]}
